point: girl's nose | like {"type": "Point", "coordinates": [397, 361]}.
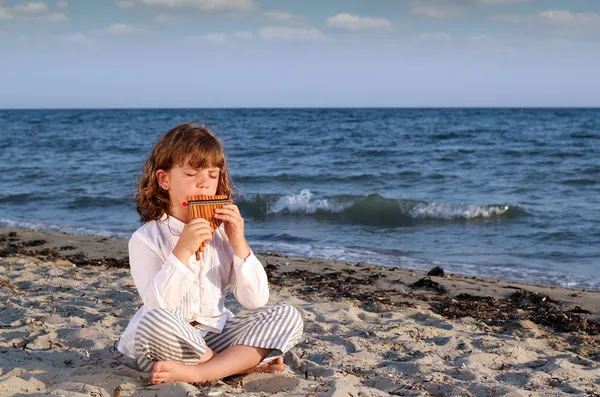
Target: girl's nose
{"type": "Point", "coordinates": [202, 183]}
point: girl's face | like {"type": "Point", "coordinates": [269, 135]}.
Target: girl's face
{"type": "Point", "coordinates": [183, 181]}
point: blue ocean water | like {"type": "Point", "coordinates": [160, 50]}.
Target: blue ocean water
{"type": "Point", "coordinates": [512, 193]}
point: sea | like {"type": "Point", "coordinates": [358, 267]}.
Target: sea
{"type": "Point", "coordinates": [503, 193]}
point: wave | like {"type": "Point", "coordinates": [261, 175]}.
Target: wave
{"type": "Point", "coordinates": [373, 210]}
{"type": "Point", "coordinates": [579, 181]}
{"type": "Point", "coordinates": [71, 229]}
{"type": "Point", "coordinates": [22, 198]}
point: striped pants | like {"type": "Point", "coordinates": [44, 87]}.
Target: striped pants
{"type": "Point", "coordinates": [162, 335]}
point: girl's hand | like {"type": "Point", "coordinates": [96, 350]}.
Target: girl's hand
{"type": "Point", "coordinates": [194, 233]}
{"type": "Point", "coordinates": [234, 229]}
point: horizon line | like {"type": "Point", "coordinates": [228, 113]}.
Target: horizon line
{"type": "Point", "coordinates": [593, 107]}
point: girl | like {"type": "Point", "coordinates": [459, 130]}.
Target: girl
{"type": "Point", "coordinates": [183, 332]}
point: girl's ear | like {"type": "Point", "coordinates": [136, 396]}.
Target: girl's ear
{"type": "Point", "coordinates": [162, 177]}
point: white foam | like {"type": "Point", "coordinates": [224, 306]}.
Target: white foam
{"type": "Point", "coordinates": [450, 211]}
{"type": "Point", "coordinates": [301, 203]}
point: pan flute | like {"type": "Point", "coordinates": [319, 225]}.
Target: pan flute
{"type": "Point", "coordinates": [204, 207]}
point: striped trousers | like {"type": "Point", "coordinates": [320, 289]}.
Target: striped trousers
{"type": "Point", "coordinates": [162, 335]}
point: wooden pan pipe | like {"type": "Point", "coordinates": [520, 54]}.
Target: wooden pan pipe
{"type": "Point", "coordinates": [204, 207]}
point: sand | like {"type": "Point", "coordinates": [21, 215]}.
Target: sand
{"type": "Point", "coordinates": [367, 332]}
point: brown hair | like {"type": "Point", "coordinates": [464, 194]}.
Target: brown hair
{"type": "Point", "coordinates": [185, 144]}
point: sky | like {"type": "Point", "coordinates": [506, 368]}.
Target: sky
{"type": "Point", "coordinates": [309, 53]}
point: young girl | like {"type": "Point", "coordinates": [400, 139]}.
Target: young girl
{"type": "Point", "coordinates": [183, 332]}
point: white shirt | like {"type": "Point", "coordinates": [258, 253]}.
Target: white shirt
{"type": "Point", "coordinates": [196, 291]}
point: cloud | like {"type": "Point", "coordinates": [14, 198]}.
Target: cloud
{"type": "Point", "coordinates": [6, 15]}
{"type": "Point", "coordinates": [503, 2]}
{"type": "Point", "coordinates": [283, 33]}
{"type": "Point", "coordinates": [218, 38]}
{"type": "Point", "coordinates": [481, 38]}
{"type": "Point", "coordinates": [123, 29]}
{"type": "Point", "coordinates": [211, 38]}
{"type": "Point", "coordinates": [164, 18]}
{"type": "Point", "coordinates": [76, 38]}
{"type": "Point", "coordinates": [55, 17]}
{"type": "Point", "coordinates": [244, 36]}
{"type": "Point", "coordinates": [436, 9]}
{"type": "Point", "coordinates": [35, 7]}
{"type": "Point", "coordinates": [62, 4]}
{"type": "Point", "coordinates": [31, 12]}
{"type": "Point", "coordinates": [205, 5]}
{"type": "Point", "coordinates": [355, 22]}
{"type": "Point", "coordinates": [126, 4]}
{"type": "Point", "coordinates": [562, 18]}
{"type": "Point", "coordinates": [280, 16]}
{"type": "Point", "coordinates": [444, 9]}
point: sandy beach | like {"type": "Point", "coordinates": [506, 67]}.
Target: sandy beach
{"type": "Point", "coordinates": [369, 330]}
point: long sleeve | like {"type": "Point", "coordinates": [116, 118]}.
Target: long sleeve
{"type": "Point", "coordinates": [160, 285]}
{"type": "Point", "coordinates": [249, 282]}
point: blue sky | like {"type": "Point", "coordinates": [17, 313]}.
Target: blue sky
{"type": "Point", "coordinates": [267, 53]}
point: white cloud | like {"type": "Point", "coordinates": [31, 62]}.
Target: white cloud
{"type": "Point", "coordinates": [31, 12]}
{"type": "Point", "coordinates": [164, 18]}
{"type": "Point", "coordinates": [62, 4]}
{"type": "Point", "coordinates": [356, 22]}
{"type": "Point", "coordinates": [554, 17]}
{"type": "Point", "coordinates": [205, 5]}
{"type": "Point", "coordinates": [244, 36]}
{"type": "Point", "coordinates": [219, 38]}
{"type": "Point", "coordinates": [55, 17]}
{"type": "Point", "coordinates": [503, 2]}
{"type": "Point", "coordinates": [280, 16]}
{"type": "Point", "coordinates": [444, 9]}
{"type": "Point", "coordinates": [35, 7]}
{"type": "Point", "coordinates": [283, 33]}
{"type": "Point", "coordinates": [5, 14]}
{"type": "Point", "coordinates": [123, 29]}
{"type": "Point", "coordinates": [214, 38]}
{"type": "Point", "coordinates": [126, 4]}
{"type": "Point", "coordinates": [481, 38]}
{"type": "Point", "coordinates": [436, 9]}
{"type": "Point", "coordinates": [76, 38]}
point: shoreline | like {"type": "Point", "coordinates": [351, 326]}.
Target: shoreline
{"type": "Point", "coordinates": [373, 330]}
{"type": "Point", "coordinates": [98, 247]}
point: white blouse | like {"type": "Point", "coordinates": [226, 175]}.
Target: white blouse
{"type": "Point", "coordinates": [196, 291]}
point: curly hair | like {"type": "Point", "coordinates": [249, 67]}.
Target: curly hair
{"type": "Point", "coordinates": [185, 144]}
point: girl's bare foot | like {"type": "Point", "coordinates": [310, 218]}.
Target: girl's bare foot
{"type": "Point", "coordinates": [274, 366]}
{"type": "Point", "coordinates": [169, 371]}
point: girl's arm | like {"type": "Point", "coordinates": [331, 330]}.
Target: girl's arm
{"type": "Point", "coordinates": [249, 282]}
{"type": "Point", "coordinates": [160, 285]}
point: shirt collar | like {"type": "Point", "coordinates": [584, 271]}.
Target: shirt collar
{"type": "Point", "coordinates": [175, 224]}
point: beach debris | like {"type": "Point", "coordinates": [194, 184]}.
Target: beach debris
{"type": "Point", "coordinates": [436, 272]}
{"type": "Point", "coordinates": [337, 285]}
{"type": "Point", "coordinates": [11, 245]}
{"type": "Point", "coordinates": [520, 305]}
{"type": "Point", "coordinates": [270, 270]}
{"type": "Point", "coordinates": [428, 283]}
